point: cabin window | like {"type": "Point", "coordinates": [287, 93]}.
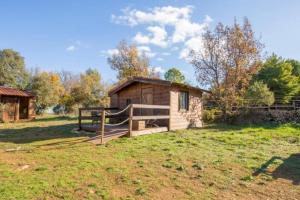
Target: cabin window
{"type": "Point", "coordinates": [183, 100]}
{"type": "Point", "coordinates": [128, 101]}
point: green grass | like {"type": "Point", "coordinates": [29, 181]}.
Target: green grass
{"type": "Point", "coordinates": [46, 159]}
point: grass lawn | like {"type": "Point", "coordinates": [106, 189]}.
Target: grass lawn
{"type": "Point", "coordinates": [45, 159]}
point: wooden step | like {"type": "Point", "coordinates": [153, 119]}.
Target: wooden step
{"type": "Point", "coordinates": [106, 138]}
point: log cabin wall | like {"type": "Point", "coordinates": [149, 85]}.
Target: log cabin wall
{"type": "Point", "coordinates": [31, 108]}
{"type": "Point", "coordinates": [133, 94]}
{"type": "Point", "coordinates": [192, 117]}
{"type": "Point", "coordinates": [15, 106]}
{"type": "Point", "coordinates": [163, 95]}
{"type": "Point", "coordinates": [11, 109]}
{"type": "Point", "coordinates": [18, 104]}
{"type": "Point", "coordinates": [138, 93]}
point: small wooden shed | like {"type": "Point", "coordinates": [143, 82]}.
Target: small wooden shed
{"type": "Point", "coordinates": [17, 104]}
{"type": "Point", "coordinates": [185, 101]}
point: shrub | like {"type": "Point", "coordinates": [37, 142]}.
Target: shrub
{"type": "Point", "coordinates": [140, 191]}
{"type": "Point", "coordinates": [211, 115]}
{"type": "Point", "coordinates": [259, 94]}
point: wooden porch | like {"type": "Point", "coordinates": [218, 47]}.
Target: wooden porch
{"type": "Point", "coordinates": [112, 123]}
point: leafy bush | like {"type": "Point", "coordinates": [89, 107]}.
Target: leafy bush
{"type": "Point", "coordinates": [211, 115]}
{"type": "Point", "coordinates": [59, 109]}
{"type": "Point", "coordinates": [259, 94]}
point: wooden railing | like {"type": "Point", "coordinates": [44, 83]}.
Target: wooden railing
{"type": "Point", "coordinates": [103, 114]}
{"type": "Point", "coordinates": [146, 117]}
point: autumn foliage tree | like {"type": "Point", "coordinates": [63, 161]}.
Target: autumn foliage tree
{"type": "Point", "coordinates": [227, 61]}
{"type": "Point", "coordinates": [48, 89]}
{"type": "Point", "coordinates": [84, 90]}
{"type": "Point", "coordinates": [128, 62]}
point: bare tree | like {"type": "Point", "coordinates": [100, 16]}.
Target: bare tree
{"type": "Point", "coordinates": [227, 61]}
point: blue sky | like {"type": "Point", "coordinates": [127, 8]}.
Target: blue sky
{"type": "Point", "coordinates": [76, 35]}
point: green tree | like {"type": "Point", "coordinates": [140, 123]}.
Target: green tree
{"type": "Point", "coordinates": [128, 62]}
{"type": "Point", "coordinates": [296, 66]}
{"type": "Point", "coordinates": [48, 89]}
{"type": "Point", "coordinates": [259, 94]}
{"type": "Point", "coordinates": [278, 75]}
{"type": "Point", "coordinates": [12, 69]}
{"type": "Point", "coordinates": [174, 75]}
{"type": "Point", "coordinates": [90, 91]}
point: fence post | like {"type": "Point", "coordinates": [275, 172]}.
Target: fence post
{"type": "Point", "coordinates": [294, 105]}
{"type": "Point", "coordinates": [79, 119]}
{"type": "Point", "coordinates": [102, 125]}
{"type": "Point", "coordinates": [130, 120]}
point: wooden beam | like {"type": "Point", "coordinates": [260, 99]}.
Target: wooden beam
{"type": "Point", "coordinates": [102, 126]}
{"type": "Point", "coordinates": [150, 106]}
{"type": "Point", "coordinates": [88, 117]}
{"type": "Point", "coordinates": [17, 109]}
{"type": "Point", "coordinates": [150, 117]}
{"type": "Point", "coordinates": [130, 120]}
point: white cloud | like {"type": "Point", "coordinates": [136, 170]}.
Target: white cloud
{"type": "Point", "coordinates": [183, 31]}
{"type": "Point", "coordinates": [76, 45]}
{"type": "Point", "coordinates": [159, 59]}
{"type": "Point", "coordinates": [146, 50]}
{"type": "Point", "coordinates": [141, 39]}
{"type": "Point", "coordinates": [162, 15]}
{"type": "Point", "coordinates": [157, 36]}
{"type": "Point", "coordinates": [158, 69]}
{"type": "Point", "coordinates": [109, 52]}
{"type": "Point", "coordinates": [71, 48]}
{"type": "Point", "coordinates": [194, 43]}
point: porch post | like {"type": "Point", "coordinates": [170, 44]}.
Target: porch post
{"type": "Point", "coordinates": [102, 125]}
{"type": "Point", "coordinates": [130, 120]}
{"type": "Point", "coordinates": [17, 109]}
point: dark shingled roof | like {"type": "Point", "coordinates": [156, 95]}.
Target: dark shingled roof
{"type": "Point", "coordinates": [14, 92]}
{"type": "Point", "coordinates": [132, 80]}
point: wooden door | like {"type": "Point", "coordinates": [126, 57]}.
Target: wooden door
{"type": "Point", "coordinates": [23, 108]}
{"type": "Point", "coordinates": [147, 98]}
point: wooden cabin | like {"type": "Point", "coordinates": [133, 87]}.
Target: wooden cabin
{"type": "Point", "coordinates": [16, 104]}
{"type": "Point", "coordinates": [184, 101]}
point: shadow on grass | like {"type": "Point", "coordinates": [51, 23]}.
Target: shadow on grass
{"type": "Point", "coordinates": [289, 169]}
{"type": "Point", "coordinates": [55, 118]}
{"type": "Point", "coordinates": [32, 134]}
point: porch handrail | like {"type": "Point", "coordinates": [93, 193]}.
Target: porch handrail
{"type": "Point", "coordinates": [150, 106]}
{"type": "Point", "coordinates": [118, 124]}
{"type": "Point", "coordinates": [117, 113]}
{"type": "Point", "coordinates": [130, 118]}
